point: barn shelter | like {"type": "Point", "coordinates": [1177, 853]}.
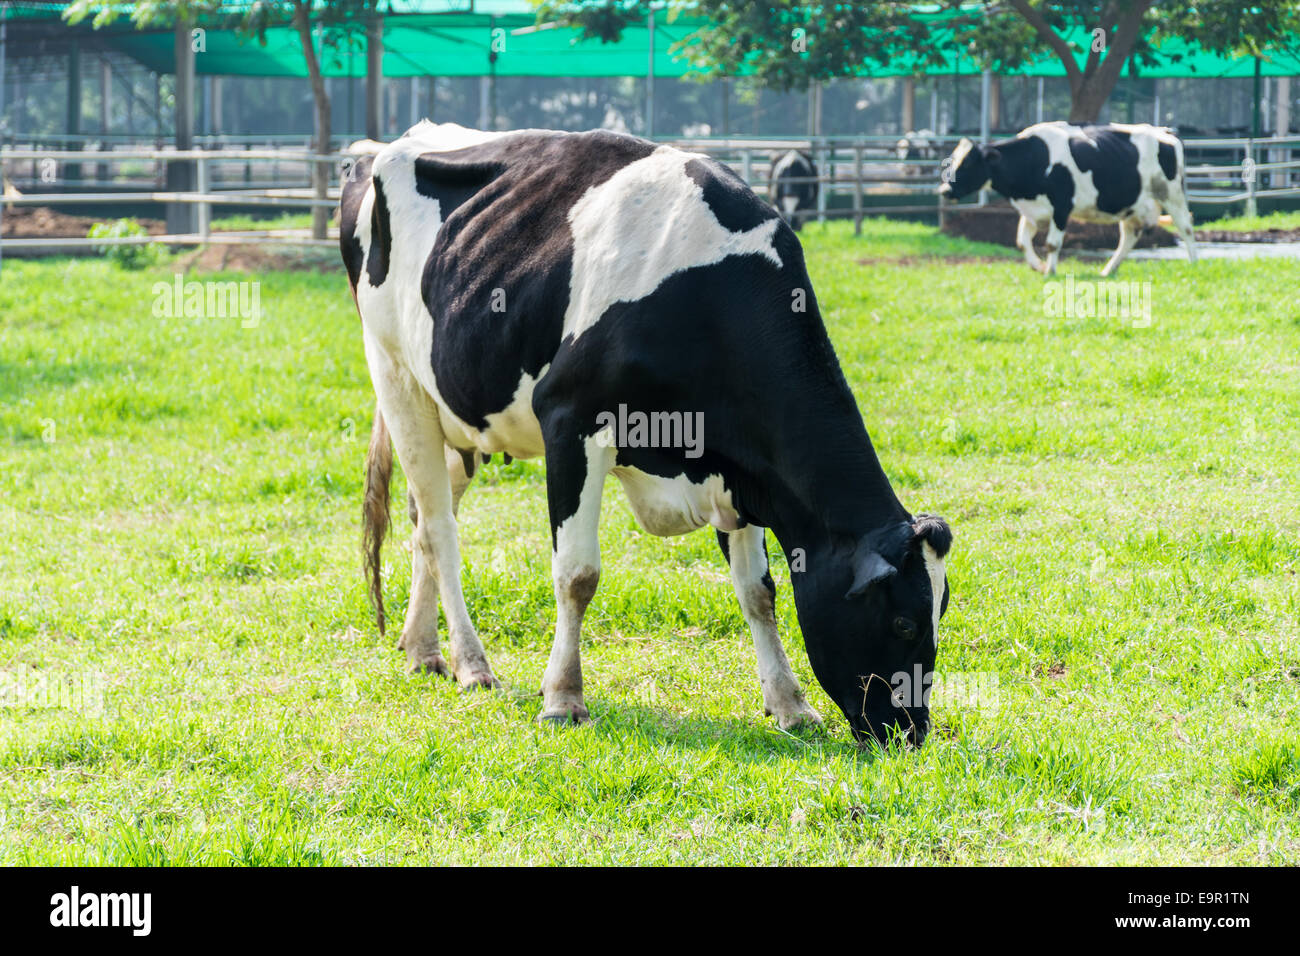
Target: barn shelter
{"type": "Point", "coordinates": [490, 39]}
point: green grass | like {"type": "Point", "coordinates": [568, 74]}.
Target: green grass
{"type": "Point", "coordinates": [1274, 220]}
{"type": "Point", "coordinates": [182, 499]}
{"type": "Point", "coordinates": [245, 222]}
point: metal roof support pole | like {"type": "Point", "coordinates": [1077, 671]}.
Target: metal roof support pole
{"type": "Point", "coordinates": [105, 110]}
{"type": "Point", "coordinates": [1040, 100]}
{"type": "Point", "coordinates": [374, 74]}
{"type": "Point", "coordinates": [72, 171]}
{"type": "Point", "coordinates": [986, 89]}
{"type": "Point", "coordinates": [650, 81]}
{"type": "Point", "coordinates": [1282, 124]}
{"type": "Point", "coordinates": [181, 174]}
{"type": "Point", "coordinates": [909, 105]}
{"type": "Point", "coordinates": [4, 17]}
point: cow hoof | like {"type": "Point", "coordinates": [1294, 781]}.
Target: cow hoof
{"type": "Point", "coordinates": [566, 716]}
{"type": "Point", "coordinates": [796, 715]}
{"type": "Point", "coordinates": [479, 680]}
{"type": "Point", "coordinates": [433, 663]}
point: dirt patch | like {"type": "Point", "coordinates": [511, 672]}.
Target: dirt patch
{"type": "Point", "coordinates": [999, 226]}
{"type": "Point", "coordinates": [230, 258]}
{"type": "Point", "coordinates": [41, 222]}
{"type": "Point", "coordinates": [1258, 235]}
{"type": "Point", "coordinates": [928, 260]}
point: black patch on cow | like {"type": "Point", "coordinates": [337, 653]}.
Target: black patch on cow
{"type": "Point", "coordinates": [1059, 189]}
{"type": "Point", "coordinates": [727, 196]}
{"type": "Point", "coordinates": [510, 232]}
{"type": "Point", "coordinates": [354, 191]}
{"type": "Point", "coordinates": [1017, 168]}
{"type": "Point", "coordinates": [381, 238]}
{"type": "Point", "coordinates": [451, 180]}
{"type": "Point", "coordinates": [1111, 157]}
{"type": "Point", "coordinates": [1168, 157]}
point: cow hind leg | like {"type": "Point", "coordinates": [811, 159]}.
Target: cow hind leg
{"type": "Point", "coordinates": [746, 552]}
{"type": "Point", "coordinates": [1176, 205]}
{"type": "Point", "coordinates": [1025, 233]}
{"type": "Point", "coordinates": [412, 419]}
{"type": "Point", "coordinates": [1129, 230]}
{"type": "Point", "coordinates": [575, 477]}
{"type": "Point", "coordinates": [420, 633]}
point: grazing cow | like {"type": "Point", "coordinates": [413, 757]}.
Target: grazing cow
{"type": "Point", "coordinates": [535, 292]}
{"type": "Point", "coordinates": [914, 145]}
{"type": "Point", "coordinates": [793, 187]}
{"type": "Point", "coordinates": [1052, 171]}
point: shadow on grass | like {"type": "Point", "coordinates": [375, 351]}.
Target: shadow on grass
{"type": "Point", "coordinates": [749, 741]}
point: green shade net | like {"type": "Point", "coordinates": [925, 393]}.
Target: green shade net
{"type": "Point", "coordinates": [454, 38]}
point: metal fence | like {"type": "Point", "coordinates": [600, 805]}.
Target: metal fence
{"type": "Point", "coordinates": [858, 177]}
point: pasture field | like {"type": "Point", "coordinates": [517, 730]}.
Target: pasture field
{"type": "Point", "coordinates": [191, 673]}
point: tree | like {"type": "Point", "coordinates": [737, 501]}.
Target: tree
{"type": "Point", "coordinates": [338, 21]}
{"type": "Point", "coordinates": [788, 44]}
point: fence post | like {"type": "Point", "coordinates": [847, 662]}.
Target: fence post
{"type": "Point", "coordinates": [205, 210]}
{"type": "Point", "coordinates": [943, 211]}
{"type": "Point", "coordinates": [823, 188]}
{"type": "Point", "coordinates": [857, 190]}
{"type": "Point", "coordinates": [747, 165]}
{"type": "Point", "coordinates": [1250, 182]}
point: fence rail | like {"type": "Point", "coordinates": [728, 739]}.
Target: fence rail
{"type": "Point", "coordinates": [858, 177]}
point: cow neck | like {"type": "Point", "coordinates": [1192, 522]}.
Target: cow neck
{"type": "Point", "coordinates": [822, 483]}
{"type": "Point", "coordinates": [1002, 174]}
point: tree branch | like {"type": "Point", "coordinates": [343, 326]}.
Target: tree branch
{"type": "Point", "coordinates": [1051, 38]}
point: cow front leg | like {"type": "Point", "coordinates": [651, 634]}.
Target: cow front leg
{"type": "Point", "coordinates": [1055, 238]}
{"type": "Point", "coordinates": [413, 422]}
{"type": "Point", "coordinates": [1128, 237]}
{"type": "Point", "coordinates": [746, 553]}
{"type": "Point", "coordinates": [1025, 233]}
{"type": "Point", "coordinates": [575, 478]}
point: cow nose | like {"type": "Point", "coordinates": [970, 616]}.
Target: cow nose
{"type": "Point", "coordinates": [945, 189]}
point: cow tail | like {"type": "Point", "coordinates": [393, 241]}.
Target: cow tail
{"type": "Point", "coordinates": [375, 511]}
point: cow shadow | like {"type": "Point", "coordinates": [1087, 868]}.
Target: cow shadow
{"type": "Point", "coordinates": [756, 740]}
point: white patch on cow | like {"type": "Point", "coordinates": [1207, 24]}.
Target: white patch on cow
{"type": "Point", "coordinates": [959, 154]}
{"type": "Point", "coordinates": [671, 506]}
{"type": "Point", "coordinates": [646, 223]}
{"type": "Point", "coordinates": [783, 164]}
{"type": "Point", "coordinates": [934, 567]}
{"type": "Point", "coordinates": [395, 313]}
{"type": "Point", "coordinates": [789, 204]}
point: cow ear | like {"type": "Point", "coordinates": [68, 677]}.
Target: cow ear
{"type": "Point", "coordinates": [934, 531]}
{"type": "Point", "coordinates": [869, 567]}
{"type": "Point", "coordinates": [992, 156]}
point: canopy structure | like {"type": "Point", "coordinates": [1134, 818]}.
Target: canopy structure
{"type": "Point", "coordinates": [457, 37]}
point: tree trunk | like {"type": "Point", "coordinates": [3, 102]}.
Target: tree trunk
{"type": "Point", "coordinates": [1087, 99]}
{"type": "Point", "coordinates": [320, 176]}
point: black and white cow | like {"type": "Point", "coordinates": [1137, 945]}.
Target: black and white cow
{"type": "Point", "coordinates": [518, 290]}
{"type": "Point", "coordinates": [1052, 171]}
{"type": "Point", "coordinates": [917, 145]}
{"type": "Point", "coordinates": [793, 187]}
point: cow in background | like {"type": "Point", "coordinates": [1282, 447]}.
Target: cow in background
{"type": "Point", "coordinates": [1054, 171]}
{"type": "Point", "coordinates": [793, 187]}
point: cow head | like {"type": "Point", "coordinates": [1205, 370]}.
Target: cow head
{"type": "Point", "coordinates": [968, 169]}
{"type": "Point", "coordinates": [873, 617]}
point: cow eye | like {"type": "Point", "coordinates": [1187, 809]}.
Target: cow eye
{"type": "Point", "coordinates": [905, 628]}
